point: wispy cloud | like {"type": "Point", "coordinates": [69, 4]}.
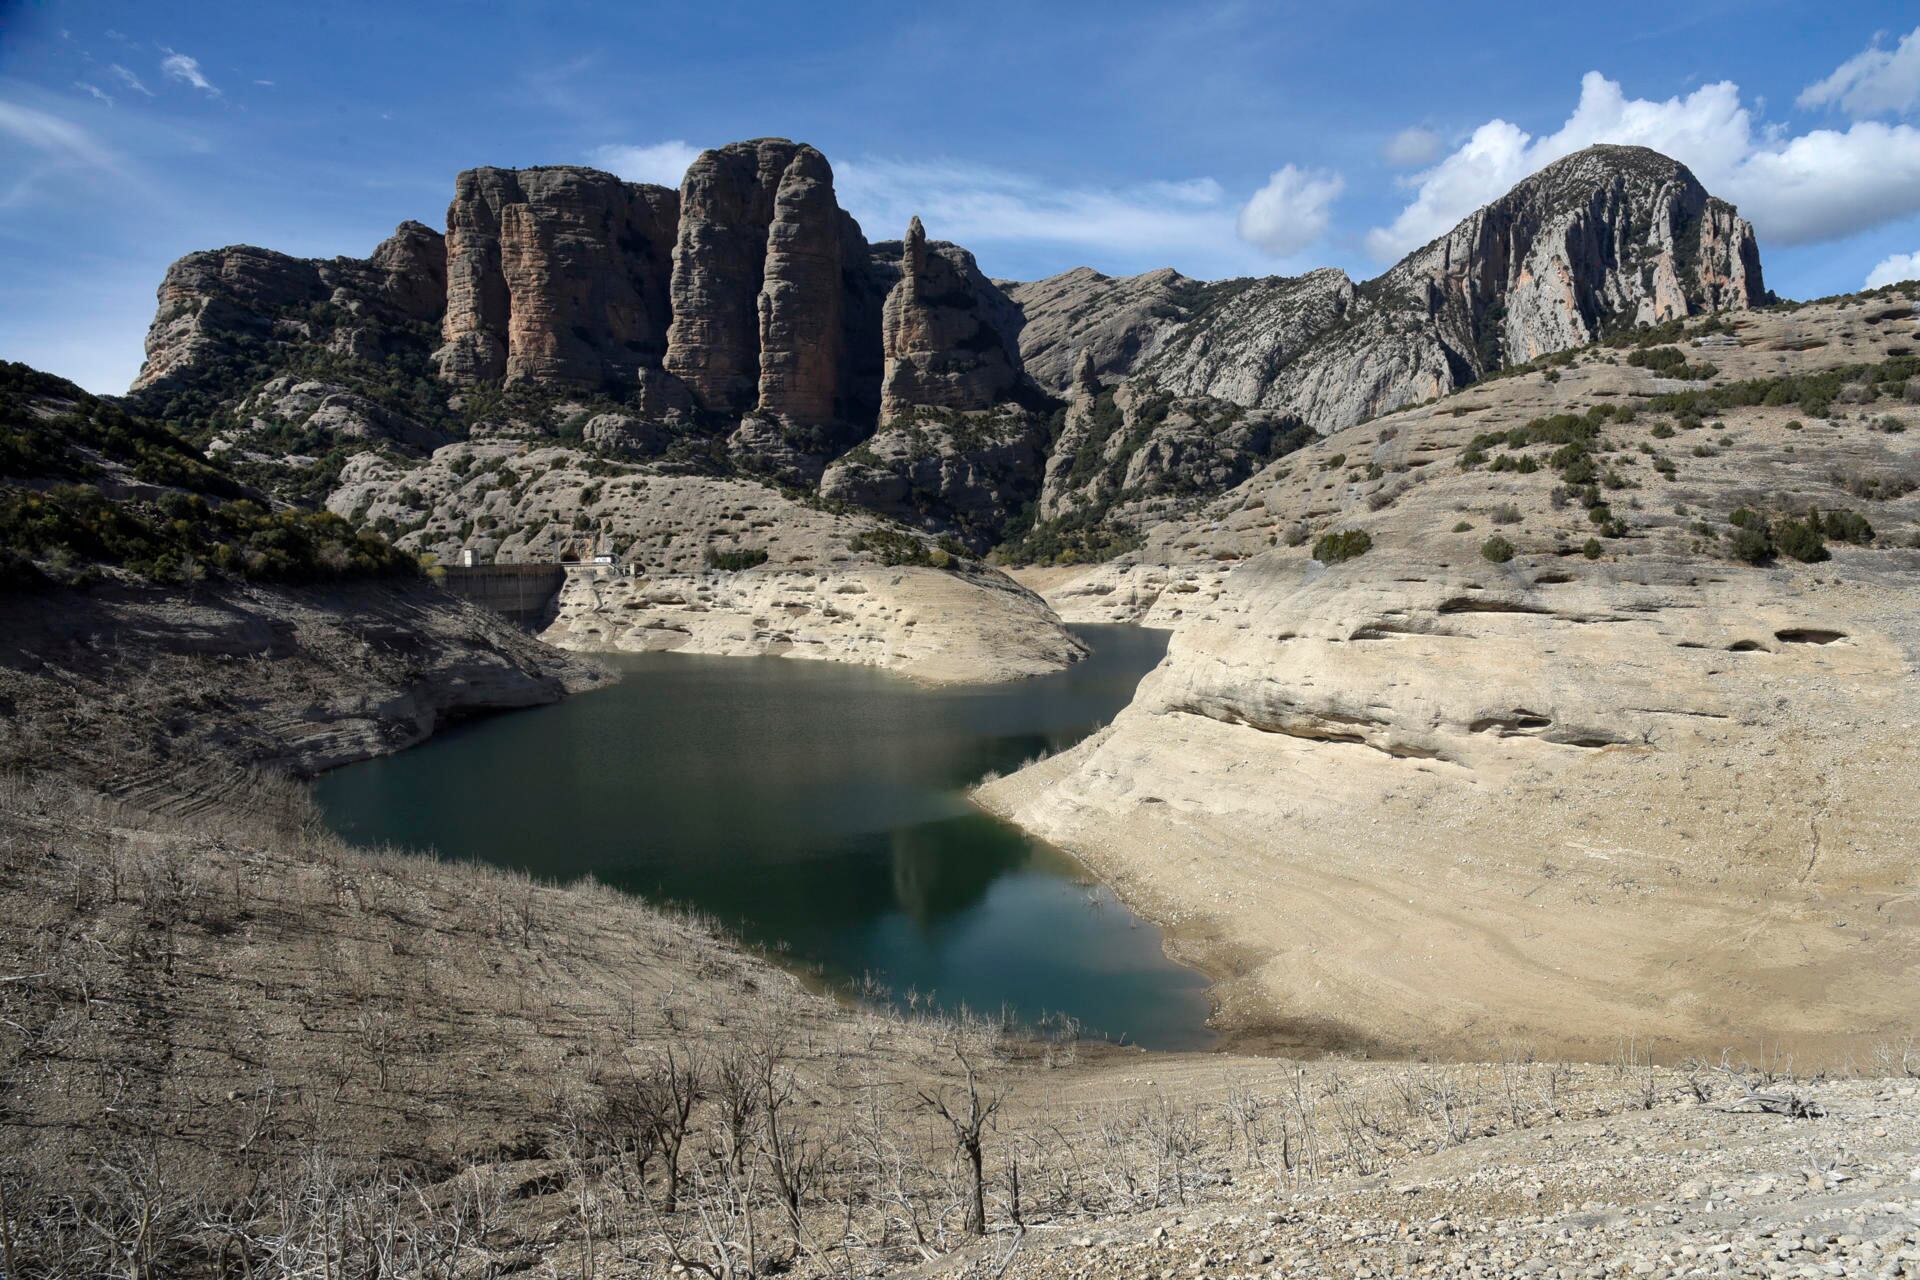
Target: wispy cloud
{"type": "Point", "coordinates": [57, 145]}
{"type": "Point", "coordinates": [130, 80]}
{"type": "Point", "coordinates": [51, 136]}
{"type": "Point", "coordinates": [178, 66]}
{"type": "Point", "coordinates": [1187, 221]}
{"type": "Point", "coordinates": [94, 90]}
{"type": "Point", "coordinates": [1873, 82]}
{"type": "Point", "coordinates": [1411, 148]}
{"type": "Point", "coordinates": [1820, 185]}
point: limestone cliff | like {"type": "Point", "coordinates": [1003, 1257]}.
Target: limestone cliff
{"type": "Point", "coordinates": [221, 302]}
{"type": "Point", "coordinates": [800, 301]}
{"type": "Point", "coordinates": [1606, 238]}
{"type": "Point", "coordinates": [942, 348]}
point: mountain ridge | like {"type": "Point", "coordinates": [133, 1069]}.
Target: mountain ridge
{"type": "Point", "coordinates": [745, 325]}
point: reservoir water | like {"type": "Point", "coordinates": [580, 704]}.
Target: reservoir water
{"type": "Point", "coordinates": [817, 809]}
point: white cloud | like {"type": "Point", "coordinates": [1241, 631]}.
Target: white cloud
{"type": "Point", "coordinates": [977, 205]}
{"type": "Point", "coordinates": [1290, 212]}
{"type": "Point", "coordinates": [178, 66]}
{"type": "Point", "coordinates": [981, 207]}
{"type": "Point", "coordinates": [1411, 148]}
{"type": "Point", "coordinates": [1873, 82]}
{"type": "Point", "coordinates": [1191, 191]}
{"type": "Point", "coordinates": [1818, 186]}
{"type": "Point", "coordinates": [54, 137]}
{"type": "Point", "coordinates": [663, 162]}
{"type": "Point", "coordinates": [1894, 269]}
{"type": "Point", "coordinates": [130, 80]}
{"type": "Point", "coordinates": [60, 146]}
{"type": "Point", "coordinates": [95, 90]}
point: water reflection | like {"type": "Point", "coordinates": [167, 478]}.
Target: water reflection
{"type": "Point", "coordinates": [815, 807]}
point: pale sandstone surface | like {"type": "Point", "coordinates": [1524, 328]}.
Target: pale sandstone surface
{"type": "Point", "coordinates": [819, 593]}
{"type": "Point", "coordinates": [935, 626]}
{"type": "Point", "coordinates": [1424, 799]}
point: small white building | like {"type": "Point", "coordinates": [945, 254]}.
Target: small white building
{"type": "Point", "coordinates": [470, 557]}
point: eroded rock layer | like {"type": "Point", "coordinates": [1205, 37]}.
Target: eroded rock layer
{"type": "Point", "coordinates": [1606, 238]}
{"type": "Point", "coordinates": [556, 275]}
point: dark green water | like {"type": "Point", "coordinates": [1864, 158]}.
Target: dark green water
{"type": "Point", "coordinates": [817, 809]}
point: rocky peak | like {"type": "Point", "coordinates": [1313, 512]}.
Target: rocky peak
{"type": "Point", "coordinates": [1086, 375]}
{"type": "Point", "coordinates": [800, 301]}
{"type": "Point", "coordinates": [1610, 236]}
{"type": "Point", "coordinates": [1607, 236]}
{"type": "Point", "coordinates": [719, 265]}
{"type": "Point", "coordinates": [941, 344]}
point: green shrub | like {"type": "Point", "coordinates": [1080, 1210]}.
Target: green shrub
{"type": "Point", "coordinates": [1843, 526]}
{"type": "Point", "coordinates": [1497, 549]}
{"type": "Point", "coordinates": [1463, 527]}
{"type": "Point", "coordinates": [892, 547]}
{"type": "Point", "coordinates": [1592, 549]}
{"type": "Point", "coordinates": [1348, 544]}
{"type": "Point", "coordinates": [734, 559]}
{"type": "Point", "coordinates": [1800, 540]}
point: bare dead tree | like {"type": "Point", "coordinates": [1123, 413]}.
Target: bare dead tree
{"type": "Point", "coordinates": [968, 1116]}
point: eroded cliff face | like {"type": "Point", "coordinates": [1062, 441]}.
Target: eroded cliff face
{"type": "Point", "coordinates": [942, 348]}
{"type": "Point", "coordinates": [557, 276]}
{"type": "Point", "coordinates": [745, 322]}
{"type": "Point", "coordinates": [1609, 237]}
{"type": "Point", "coordinates": [214, 303]}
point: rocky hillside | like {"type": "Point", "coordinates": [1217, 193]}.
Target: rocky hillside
{"type": "Point", "coordinates": [744, 325]}
{"type": "Point", "coordinates": [1571, 703]}
{"type": "Point", "coordinates": [1607, 238]}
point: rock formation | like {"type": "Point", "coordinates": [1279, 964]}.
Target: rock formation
{"type": "Point", "coordinates": [216, 302]}
{"type": "Point", "coordinates": [941, 346]}
{"type": "Point", "coordinates": [719, 263]}
{"type": "Point", "coordinates": [1608, 237]}
{"type": "Point", "coordinates": [557, 276]}
{"type": "Point", "coordinates": [748, 320]}
{"type": "Point", "coordinates": [800, 299]}
{"type": "Point", "coordinates": [962, 473]}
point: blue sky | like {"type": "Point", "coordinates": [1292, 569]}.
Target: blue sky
{"type": "Point", "coordinates": [1220, 138]}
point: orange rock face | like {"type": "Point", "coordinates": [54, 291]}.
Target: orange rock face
{"type": "Point", "coordinates": [556, 275]}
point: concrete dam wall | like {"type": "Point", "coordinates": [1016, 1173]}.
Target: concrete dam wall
{"type": "Point", "coordinates": [522, 593]}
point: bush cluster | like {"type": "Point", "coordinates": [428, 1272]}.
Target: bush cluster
{"type": "Point", "coordinates": [1347, 544]}
{"type": "Point", "coordinates": [68, 532]}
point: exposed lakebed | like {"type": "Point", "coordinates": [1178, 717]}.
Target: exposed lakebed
{"type": "Point", "coordinates": [820, 811]}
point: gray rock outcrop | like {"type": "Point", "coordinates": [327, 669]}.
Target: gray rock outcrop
{"type": "Point", "coordinates": [1608, 237]}
{"type": "Point", "coordinates": [942, 348]}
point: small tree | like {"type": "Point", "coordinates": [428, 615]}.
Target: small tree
{"type": "Point", "coordinates": [968, 1117]}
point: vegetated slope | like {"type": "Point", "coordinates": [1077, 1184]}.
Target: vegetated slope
{"type": "Point", "coordinates": [1573, 705]}
{"type": "Point", "coordinates": [87, 489]}
{"type": "Point", "coordinates": [132, 562]}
